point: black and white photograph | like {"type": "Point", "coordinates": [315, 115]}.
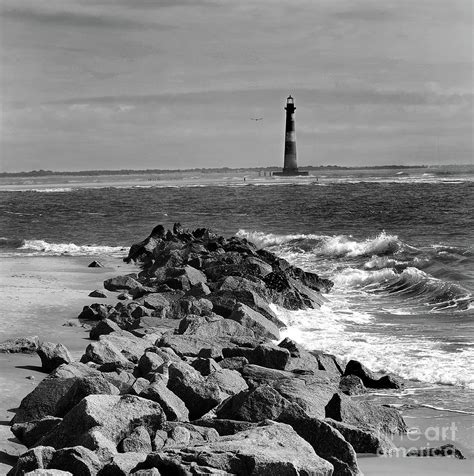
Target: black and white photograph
{"type": "Point", "coordinates": [236, 237]}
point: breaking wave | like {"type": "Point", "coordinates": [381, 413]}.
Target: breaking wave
{"type": "Point", "coordinates": [41, 247]}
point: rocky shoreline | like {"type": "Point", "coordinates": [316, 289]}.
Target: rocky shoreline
{"type": "Point", "coordinates": [186, 375]}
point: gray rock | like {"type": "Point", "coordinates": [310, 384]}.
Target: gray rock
{"type": "Point", "coordinates": [225, 426]}
{"type": "Point", "coordinates": [352, 385]}
{"type": "Point", "coordinates": [138, 441]}
{"type": "Point", "coordinates": [365, 415]}
{"type": "Point", "coordinates": [78, 460]}
{"type": "Point", "coordinates": [24, 345]}
{"type": "Point", "coordinates": [100, 422]}
{"type": "Point", "coordinates": [53, 355]}
{"type": "Point", "coordinates": [444, 450]}
{"type": "Point", "coordinates": [327, 442]}
{"type": "Point", "coordinates": [172, 405]}
{"type": "Point", "coordinates": [256, 405]}
{"type": "Point", "coordinates": [369, 379]}
{"type": "Point", "coordinates": [205, 366]}
{"type": "Point", "coordinates": [97, 293]}
{"type": "Point", "coordinates": [199, 290]}
{"type": "Point", "coordinates": [265, 355]}
{"type": "Point", "coordinates": [103, 327]}
{"type": "Point", "coordinates": [191, 346]}
{"type": "Point", "coordinates": [115, 347]}
{"type": "Point", "coordinates": [217, 328]}
{"type": "Point", "coordinates": [363, 441]}
{"type": "Point", "coordinates": [230, 382]}
{"type": "Point", "coordinates": [36, 458]}
{"type": "Point", "coordinates": [122, 464]}
{"type": "Point", "coordinates": [271, 449]}
{"type": "Point", "coordinates": [48, 472]}
{"type": "Point", "coordinates": [199, 395]}
{"type": "Point", "coordinates": [255, 321]}
{"type": "Point", "coordinates": [234, 363]}
{"type": "Point", "coordinates": [30, 432]}
{"type": "Point", "coordinates": [120, 283]}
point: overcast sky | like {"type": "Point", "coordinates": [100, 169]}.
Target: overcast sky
{"type": "Point", "coordinates": [111, 84]}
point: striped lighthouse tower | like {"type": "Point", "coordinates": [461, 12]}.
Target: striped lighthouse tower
{"type": "Point", "coordinates": [290, 166]}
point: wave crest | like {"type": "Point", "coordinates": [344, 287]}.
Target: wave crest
{"type": "Point", "coordinates": [54, 249]}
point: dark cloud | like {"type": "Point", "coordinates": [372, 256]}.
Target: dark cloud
{"type": "Point", "coordinates": [78, 19]}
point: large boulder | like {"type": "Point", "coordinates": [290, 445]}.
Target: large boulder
{"type": "Point", "coordinates": [326, 442]}
{"type": "Point", "coordinates": [56, 396]}
{"type": "Point", "coordinates": [256, 405]}
{"type": "Point", "coordinates": [198, 394]}
{"type": "Point", "coordinates": [266, 355]}
{"type": "Point", "coordinates": [255, 321]}
{"type": "Point", "coordinates": [265, 450]}
{"type": "Point", "coordinates": [125, 283]}
{"type": "Point", "coordinates": [36, 458]}
{"type": "Point", "coordinates": [120, 346]}
{"type": "Point", "coordinates": [103, 327]}
{"type": "Point", "coordinates": [53, 355]}
{"type": "Point", "coordinates": [172, 405]}
{"type": "Point", "coordinates": [213, 326]}
{"type": "Point", "coordinates": [369, 379]}
{"type": "Point", "coordinates": [78, 460]}
{"type": "Point", "coordinates": [102, 421]}
{"type": "Point", "coordinates": [30, 432]}
{"type": "Point", "coordinates": [23, 345]}
{"type": "Point", "coordinates": [365, 415]}
{"type": "Point", "coordinates": [363, 441]}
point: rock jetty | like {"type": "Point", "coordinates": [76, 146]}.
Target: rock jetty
{"type": "Point", "coordinates": [187, 375]}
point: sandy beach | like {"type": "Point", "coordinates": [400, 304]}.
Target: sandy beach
{"type": "Point", "coordinates": [42, 294]}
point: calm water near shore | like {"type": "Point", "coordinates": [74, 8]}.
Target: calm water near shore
{"type": "Point", "coordinates": [399, 249]}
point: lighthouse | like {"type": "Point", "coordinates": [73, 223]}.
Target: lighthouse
{"type": "Point", "coordinates": [290, 166]}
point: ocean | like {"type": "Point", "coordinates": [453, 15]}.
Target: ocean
{"type": "Point", "coordinates": [399, 248]}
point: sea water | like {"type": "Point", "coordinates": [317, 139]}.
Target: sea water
{"type": "Point", "coordinates": [399, 249]}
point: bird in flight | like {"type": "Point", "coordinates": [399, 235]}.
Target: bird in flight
{"type": "Point", "coordinates": [256, 118]}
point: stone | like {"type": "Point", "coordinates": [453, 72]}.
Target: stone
{"type": "Point", "coordinates": [74, 369]}
{"type": "Point", "coordinates": [256, 405]}
{"type": "Point", "coordinates": [272, 449]}
{"type": "Point", "coordinates": [199, 290]}
{"type": "Point", "coordinates": [225, 426]}
{"type": "Point", "coordinates": [205, 366]}
{"type": "Point", "coordinates": [201, 327]}
{"type": "Point", "coordinates": [46, 399]}
{"type": "Point", "coordinates": [363, 441]}
{"type": "Point", "coordinates": [103, 327]}
{"type": "Point", "coordinates": [369, 379]}
{"type": "Point", "coordinates": [365, 415]}
{"type": "Point", "coordinates": [352, 385]}
{"type": "Point", "coordinates": [115, 347]}
{"type": "Point", "coordinates": [24, 345]}
{"type": "Point", "coordinates": [124, 296]}
{"type": "Point", "coordinates": [53, 355]}
{"type": "Point", "coordinates": [122, 464]}
{"type": "Point", "coordinates": [78, 460]}
{"type": "Point", "coordinates": [230, 382]}
{"type": "Point", "coordinates": [172, 405]}
{"type": "Point", "coordinates": [443, 450]}
{"type": "Point", "coordinates": [124, 283]}
{"type": "Point", "coordinates": [326, 441]}
{"type": "Point", "coordinates": [151, 362]}
{"type": "Point", "coordinates": [191, 346]}
{"type": "Point", "coordinates": [102, 421]}
{"type": "Point", "coordinates": [138, 441]}
{"type": "Point", "coordinates": [30, 432]}
{"type": "Point", "coordinates": [97, 293]}
{"type": "Point", "coordinates": [188, 384]}
{"type": "Point", "coordinates": [95, 264]}
{"type": "Point", "coordinates": [255, 321]}
{"type": "Point", "coordinates": [138, 386]}
{"type": "Point", "coordinates": [36, 458]}
{"type": "Point", "coordinates": [265, 355]}
{"type": "Point", "coordinates": [234, 363]}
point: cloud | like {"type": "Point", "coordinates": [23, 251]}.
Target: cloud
{"type": "Point", "coordinates": [78, 18]}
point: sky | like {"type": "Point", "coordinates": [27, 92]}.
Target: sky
{"type": "Point", "coordinates": [168, 84]}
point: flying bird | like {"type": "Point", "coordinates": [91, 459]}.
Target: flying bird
{"type": "Point", "coordinates": [256, 118]}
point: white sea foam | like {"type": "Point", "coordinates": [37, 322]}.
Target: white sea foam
{"type": "Point", "coordinates": [334, 329]}
{"type": "Point", "coordinates": [36, 247]}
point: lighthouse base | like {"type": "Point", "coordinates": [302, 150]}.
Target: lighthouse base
{"type": "Point", "coordinates": [291, 173]}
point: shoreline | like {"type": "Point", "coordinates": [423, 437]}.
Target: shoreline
{"type": "Point", "coordinates": [45, 277]}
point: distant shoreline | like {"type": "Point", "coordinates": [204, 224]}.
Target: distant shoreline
{"type": "Point", "coordinates": [45, 173]}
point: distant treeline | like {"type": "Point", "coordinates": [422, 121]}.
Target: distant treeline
{"type": "Point", "coordinates": [42, 173]}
